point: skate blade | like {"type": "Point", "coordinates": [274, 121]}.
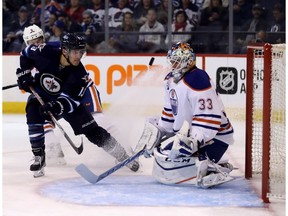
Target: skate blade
{"type": "Point", "coordinates": [39, 173]}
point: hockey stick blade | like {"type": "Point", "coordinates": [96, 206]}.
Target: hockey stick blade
{"type": "Point", "coordinates": [89, 176]}
{"type": "Point", "coordinates": [79, 149]}
{"type": "Point", "coordinates": [9, 86]}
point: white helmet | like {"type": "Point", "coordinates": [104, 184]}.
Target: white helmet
{"type": "Point", "coordinates": [181, 58]}
{"type": "Point", "coordinates": [32, 32]}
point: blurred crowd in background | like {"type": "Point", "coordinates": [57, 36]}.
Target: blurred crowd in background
{"type": "Point", "coordinates": [147, 26]}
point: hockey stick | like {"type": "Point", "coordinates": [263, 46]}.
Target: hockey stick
{"type": "Point", "coordinates": [151, 61]}
{"type": "Point", "coordinates": [9, 86]}
{"type": "Point", "coordinates": [89, 176]}
{"type": "Point", "coordinates": [77, 149]}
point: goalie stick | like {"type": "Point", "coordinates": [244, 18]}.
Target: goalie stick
{"type": "Point", "coordinates": [79, 149]}
{"type": "Point", "coordinates": [89, 176]}
{"type": "Point", "coordinates": [151, 135]}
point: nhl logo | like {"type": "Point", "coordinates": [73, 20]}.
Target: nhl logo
{"type": "Point", "coordinates": [226, 80]}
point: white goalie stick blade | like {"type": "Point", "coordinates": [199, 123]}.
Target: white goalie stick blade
{"type": "Point", "coordinates": [89, 176]}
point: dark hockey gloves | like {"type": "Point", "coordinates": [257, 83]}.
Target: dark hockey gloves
{"type": "Point", "coordinates": [55, 107]}
{"type": "Point", "coordinates": [25, 79]}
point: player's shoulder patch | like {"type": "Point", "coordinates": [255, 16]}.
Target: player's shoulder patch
{"type": "Point", "coordinates": [197, 79]}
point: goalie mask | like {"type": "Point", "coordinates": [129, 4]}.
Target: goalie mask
{"type": "Point", "coordinates": [181, 58]}
{"type": "Point", "coordinates": [31, 33]}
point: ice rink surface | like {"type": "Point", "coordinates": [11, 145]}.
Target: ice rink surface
{"type": "Point", "coordinates": [63, 192]}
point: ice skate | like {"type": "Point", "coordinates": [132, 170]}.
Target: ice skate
{"type": "Point", "coordinates": [39, 162]}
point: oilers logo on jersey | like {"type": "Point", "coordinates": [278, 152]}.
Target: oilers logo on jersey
{"type": "Point", "coordinates": [50, 84]}
{"type": "Point", "coordinates": [173, 101]}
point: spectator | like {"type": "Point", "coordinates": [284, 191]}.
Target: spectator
{"type": "Point", "coordinates": [241, 12]}
{"type": "Point", "coordinates": [206, 3]}
{"type": "Point", "coordinates": [154, 42]}
{"type": "Point", "coordinates": [141, 10]}
{"type": "Point", "coordinates": [7, 19]}
{"type": "Point", "coordinates": [57, 31]}
{"type": "Point", "coordinates": [52, 7]}
{"type": "Point", "coordinates": [181, 24]}
{"type": "Point", "coordinates": [74, 10]}
{"type": "Point", "coordinates": [253, 25]}
{"type": "Point", "coordinates": [70, 26]}
{"type": "Point", "coordinates": [13, 41]}
{"type": "Point", "coordinates": [192, 10]}
{"type": "Point", "coordinates": [14, 5]}
{"type": "Point", "coordinates": [215, 15]}
{"type": "Point", "coordinates": [49, 25]}
{"type": "Point", "coordinates": [93, 31]}
{"type": "Point", "coordinates": [126, 43]}
{"type": "Point", "coordinates": [116, 13]}
{"type": "Point", "coordinates": [278, 26]}
{"type": "Point", "coordinates": [162, 12]}
{"type": "Point", "coordinates": [261, 37]}
{"type": "Point", "coordinates": [98, 8]}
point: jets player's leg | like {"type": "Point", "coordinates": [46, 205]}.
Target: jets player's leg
{"type": "Point", "coordinates": [36, 136]}
{"type": "Point", "coordinates": [82, 122]}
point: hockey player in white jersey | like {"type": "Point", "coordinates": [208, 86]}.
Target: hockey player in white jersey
{"type": "Point", "coordinates": [194, 118]}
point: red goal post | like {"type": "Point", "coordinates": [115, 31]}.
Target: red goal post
{"type": "Point", "coordinates": [265, 118]}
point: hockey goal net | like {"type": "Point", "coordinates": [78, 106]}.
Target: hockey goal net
{"type": "Point", "coordinates": [265, 119]}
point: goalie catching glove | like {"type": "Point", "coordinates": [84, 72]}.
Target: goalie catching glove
{"type": "Point", "coordinates": [182, 144]}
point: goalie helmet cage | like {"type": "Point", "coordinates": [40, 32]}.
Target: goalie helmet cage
{"type": "Point", "coordinates": [265, 119]}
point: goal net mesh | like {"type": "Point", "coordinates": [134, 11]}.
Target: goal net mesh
{"type": "Point", "coordinates": [277, 142]}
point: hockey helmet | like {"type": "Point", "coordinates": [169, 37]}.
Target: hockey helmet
{"type": "Point", "coordinates": [181, 58]}
{"type": "Point", "coordinates": [32, 32]}
{"type": "Point", "coordinates": [73, 41]}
